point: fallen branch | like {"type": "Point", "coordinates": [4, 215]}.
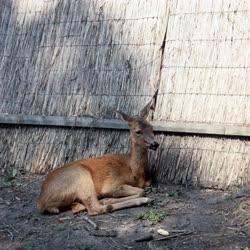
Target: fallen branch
{"type": "Point", "coordinates": [91, 222]}
{"type": "Point", "coordinates": [147, 237]}
{"type": "Point", "coordinates": [112, 245]}
{"type": "Point", "coordinates": [64, 218]}
{"type": "Point", "coordinates": [184, 233]}
{"type": "Point", "coordinates": [10, 226]}
{"type": "Point", "coordinates": [10, 234]}
{"type": "Point", "coordinates": [103, 233]}
{"type": "Point", "coordinates": [118, 245]}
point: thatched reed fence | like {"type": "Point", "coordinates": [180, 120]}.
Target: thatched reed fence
{"type": "Point", "coordinates": [67, 63]}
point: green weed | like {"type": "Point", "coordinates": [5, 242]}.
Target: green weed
{"type": "Point", "coordinates": [153, 216]}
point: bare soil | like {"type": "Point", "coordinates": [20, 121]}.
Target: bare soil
{"type": "Point", "coordinates": [194, 219]}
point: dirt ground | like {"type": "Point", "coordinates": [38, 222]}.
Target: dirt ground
{"type": "Point", "coordinates": [194, 219]}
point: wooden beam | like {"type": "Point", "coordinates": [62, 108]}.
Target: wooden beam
{"type": "Point", "coordinates": [160, 126]}
{"type": "Point", "coordinates": [202, 128]}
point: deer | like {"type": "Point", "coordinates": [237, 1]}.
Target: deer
{"type": "Point", "coordinates": [104, 183]}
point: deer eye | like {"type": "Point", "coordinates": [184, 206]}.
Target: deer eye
{"type": "Point", "coordinates": [138, 132]}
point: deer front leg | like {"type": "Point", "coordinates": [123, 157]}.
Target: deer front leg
{"type": "Point", "coordinates": [129, 203]}
{"type": "Point", "coordinates": [127, 190]}
{"type": "Point", "coordinates": [132, 196]}
{"type": "Point", "coordinates": [107, 201]}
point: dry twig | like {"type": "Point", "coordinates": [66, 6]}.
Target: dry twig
{"type": "Point", "coordinates": [91, 222]}
{"type": "Point", "coordinates": [118, 245]}
{"type": "Point", "coordinates": [184, 233]}
{"type": "Point", "coordinates": [10, 234]}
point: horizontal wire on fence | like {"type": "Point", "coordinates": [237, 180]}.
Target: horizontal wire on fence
{"type": "Point", "coordinates": [171, 14]}
{"type": "Point", "coordinates": [46, 18]}
{"type": "Point", "coordinates": [98, 45]}
{"type": "Point", "coordinates": [203, 94]}
{"type": "Point", "coordinates": [127, 44]}
{"type": "Point", "coordinates": [204, 122]}
{"type": "Point", "coordinates": [90, 147]}
{"type": "Point", "coordinates": [14, 56]}
{"type": "Point", "coordinates": [128, 95]}
{"type": "Point", "coordinates": [231, 39]}
{"type": "Point", "coordinates": [99, 20]}
{"type": "Point", "coordinates": [84, 147]}
{"type": "Point", "coordinates": [127, 69]}
{"type": "Point", "coordinates": [209, 12]}
{"type": "Point", "coordinates": [147, 64]}
{"type": "Point", "coordinates": [226, 39]}
{"type": "Point", "coordinates": [124, 69]}
{"type": "Point", "coordinates": [204, 67]}
{"type": "Point", "coordinates": [91, 94]}
{"type": "Point", "coordinates": [138, 45]}
{"type": "Point", "coordinates": [207, 149]}
{"type": "Point", "coordinates": [16, 34]}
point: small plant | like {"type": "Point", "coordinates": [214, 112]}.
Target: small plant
{"type": "Point", "coordinates": [9, 177]}
{"type": "Point", "coordinates": [29, 248]}
{"type": "Point", "coordinates": [86, 247]}
{"type": "Point", "coordinates": [229, 198]}
{"type": "Point", "coordinates": [11, 174]}
{"type": "Point", "coordinates": [61, 227]}
{"type": "Point", "coordinates": [246, 248]}
{"type": "Point", "coordinates": [150, 189]}
{"type": "Point", "coordinates": [172, 194]}
{"type": "Point", "coordinates": [153, 216]}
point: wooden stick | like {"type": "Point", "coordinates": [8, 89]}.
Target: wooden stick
{"type": "Point", "coordinates": [175, 236]}
{"type": "Point", "coordinates": [91, 222]}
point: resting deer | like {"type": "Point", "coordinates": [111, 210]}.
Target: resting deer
{"type": "Point", "coordinates": [116, 179]}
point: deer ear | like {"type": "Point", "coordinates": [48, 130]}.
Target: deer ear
{"type": "Point", "coordinates": [151, 105]}
{"type": "Point", "coordinates": [124, 116]}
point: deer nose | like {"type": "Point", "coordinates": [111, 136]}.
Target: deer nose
{"type": "Point", "coordinates": [154, 145]}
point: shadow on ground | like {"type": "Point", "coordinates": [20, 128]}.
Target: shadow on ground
{"type": "Point", "coordinates": [195, 219]}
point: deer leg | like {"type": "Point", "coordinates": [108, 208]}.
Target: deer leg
{"type": "Point", "coordinates": [77, 207]}
{"type": "Point", "coordinates": [53, 210]}
{"type": "Point", "coordinates": [53, 207]}
{"type": "Point", "coordinates": [107, 201]}
{"type": "Point", "coordinates": [130, 203]}
{"type": "Point", "coordinates": [87, 196]}
{"type": "Point", "coordinates": [127, 190]}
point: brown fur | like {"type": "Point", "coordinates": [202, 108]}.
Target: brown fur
{"type": "Point", "coordinates": [80, 184]}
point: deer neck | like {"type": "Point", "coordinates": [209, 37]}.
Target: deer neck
{"type": "Point", "coordinates": [138, 159]}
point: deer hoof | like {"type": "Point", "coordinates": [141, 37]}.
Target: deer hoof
{"type": "Point", "coordinates": [53, 210]}
{"type": "Point", "coordinates": [142, 201]}
{"type": "Point", "coordinates": [147, 200]}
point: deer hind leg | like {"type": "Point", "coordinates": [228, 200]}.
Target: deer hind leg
{"type": "Point", "coordinates": [87, 196]}
{"type": "Point", "coordinates": [94, 207]}
{"type": "Point", "coordinates": [52, 207]}
{"type": "Point", "coordinates": [77, 207]}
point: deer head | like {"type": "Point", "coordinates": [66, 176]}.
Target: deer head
{"type": "Point", "coordinates": [141, 130]}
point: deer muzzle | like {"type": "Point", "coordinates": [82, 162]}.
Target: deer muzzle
{"type": "Point", "coordinates": [154, 145]}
